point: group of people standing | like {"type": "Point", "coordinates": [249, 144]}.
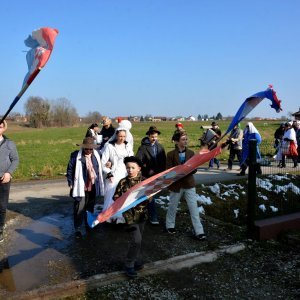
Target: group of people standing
{"type": "Point", "coordinates": [287, 140]}
{"type": "Point", "coordinates": [238, 146]}
{"type": "Point", "coordinates": [113, 169]}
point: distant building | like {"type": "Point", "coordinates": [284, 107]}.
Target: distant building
{"type": "Point", "coordinates": [296, 115]}
{"type": "Point", "coordinates": [159, 119]}
{"type": "Point", "coordinates": [191, 118]}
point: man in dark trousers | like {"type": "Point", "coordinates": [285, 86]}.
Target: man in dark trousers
{"type": "Point", "coordinates": [9, 161]}
{"type": "Point", "coordinates": [84, 176]}
{"type": "Point", "coordinates": [153, 157]}
{"type": "Point", "coordinates": [216, 129]}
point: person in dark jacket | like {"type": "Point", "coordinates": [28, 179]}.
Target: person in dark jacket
{"type": "Point", "coordinates": [84, 176]}
{"type": "Point", "coordinates": [216, 129]}
{"type": "Point", "coordinates": [107, 131]}
{"type": "Point", "coordinates": [183, 187]}
{"type": "Point", "coordinates": [9, 161]}
{"type": "Point", "coordinates": [135, 217]}
{"type": "Point", "coordinates": [93, 131]}
{"type": "Point", "coordinates": [153, 157]}
{"type": "Point", "coordinates": [278, 135]}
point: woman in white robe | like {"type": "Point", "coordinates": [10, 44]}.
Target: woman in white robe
{"type": "Point", "coordinates": [114, 169]}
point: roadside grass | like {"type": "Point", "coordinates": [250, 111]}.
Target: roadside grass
{"type": "Point", "coordinates": [44, 153]}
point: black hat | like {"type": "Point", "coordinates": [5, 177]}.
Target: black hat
{"type": "Point", "coordinates": [133, 159]}
{"type": "Point", "coordinates": [88, 143]}
{"type": "Point", "coordinates": [152, 129]}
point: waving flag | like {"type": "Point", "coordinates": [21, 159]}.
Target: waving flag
{"type": "Point", "coordinates": [251, 102]}
{"type": "Point", "coordinates": [151, 186]}
{"type": "Point", "coordinates": [41, 42]}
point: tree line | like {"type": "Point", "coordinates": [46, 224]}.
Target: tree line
{"type": "Point", "coordinates": [45, 113]}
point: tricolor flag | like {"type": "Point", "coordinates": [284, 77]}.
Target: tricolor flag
{"type": "Point", "coordinates": [151, 186]}
{"type": "Point", "coordinates": [251, 102]}
{"type": "Point", "coordinates": [41, 42]}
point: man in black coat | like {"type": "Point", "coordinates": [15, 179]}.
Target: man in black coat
{"type": "Point", "coordinates": [153, 157]}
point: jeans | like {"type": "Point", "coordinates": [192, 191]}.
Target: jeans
{"type": "Point", "coordinates": [83, 204]}
{"type": "Point", "coordinates": [212, 161]}
{"type": "Point", "coordinates": [4, 195]}
{"type": "Point", "coordinates": [191, 197]}
{"type": "Point", "coordinates": [135, 243]}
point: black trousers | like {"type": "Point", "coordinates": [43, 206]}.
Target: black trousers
{"type": "Point", "coordinates": [4, 195]}
{"type": "Point", "coordinates": [232, 154]}
{"type": "Point", "coordinates": [83, 204]}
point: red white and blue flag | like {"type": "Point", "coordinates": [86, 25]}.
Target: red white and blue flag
{"type": "Point", "coordinates": [151, 186]}
{"type": "Point", "coordinates": [251, 102]}
{"type": "Point", "coordinates": [41, 42]}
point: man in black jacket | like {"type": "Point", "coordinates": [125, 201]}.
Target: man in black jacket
{"type": "Point", "coordinates": [153, 157]}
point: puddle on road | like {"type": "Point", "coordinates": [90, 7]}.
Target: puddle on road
{"type": "Point", "coordinates": [34, 258]}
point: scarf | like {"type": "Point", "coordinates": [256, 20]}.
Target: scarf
{"type": "Point", "coordinates": [90, 171]}
{"type": "Point", "coordinates": [79, 185]}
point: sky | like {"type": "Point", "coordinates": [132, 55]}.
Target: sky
{"type": "Point", "coordinates": [157, 57]}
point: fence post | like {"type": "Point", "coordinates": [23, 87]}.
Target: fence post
{"type": "Point", "coordinates": [251, 188]}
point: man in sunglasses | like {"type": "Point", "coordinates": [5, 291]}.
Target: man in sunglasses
{"type": "Point", "coordinates": [84, 175]}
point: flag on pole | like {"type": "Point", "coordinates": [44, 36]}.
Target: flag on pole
{"type": "Point", "coordinates": [251, 102]}
{"type": "Point", "coordinates": [41, 42]}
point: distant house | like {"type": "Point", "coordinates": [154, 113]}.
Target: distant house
{"type": "Point", "coordinates": [159, 119]}
{"type": "Point", "coordinates": [296, 115]}
{"type": "Point", "coordinates": [191, 118]}
{"type": "Point", "coordinates": [135, 119]}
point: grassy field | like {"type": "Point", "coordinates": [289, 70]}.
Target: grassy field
{"type": "Point", "coordinates": [44, 153]}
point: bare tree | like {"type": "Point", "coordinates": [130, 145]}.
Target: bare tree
{"type": "Point", "coordinates": [92, 117]}
{"type": "Point", "coordinates": [63, 113]}
{"type": "Point", "coordinates": [37, 109]}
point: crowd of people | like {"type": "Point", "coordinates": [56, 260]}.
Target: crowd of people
{"type": "Point", "coordinates": [105, 165]}
{"type": "Point", "coordinates": [108, 167]}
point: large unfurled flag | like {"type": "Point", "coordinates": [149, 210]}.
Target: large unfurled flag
{"type": "Point", "coordinates": [251, 102]}
{"type": "Point", "coordinates": [151, 186]}
{"type": "Point", "coordinates": [41, 42]}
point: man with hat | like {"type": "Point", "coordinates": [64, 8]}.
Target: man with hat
{"type": "Point", "coordinates": [153, 157]}
{"type": "Point", "coordinates": [9, 161]}
{"type": "Point", "coordinates": [216, 129]}
{"type": "Point", "coordinates": [107, 131]}
{"type": "Point", "coordinates": [84, 175]}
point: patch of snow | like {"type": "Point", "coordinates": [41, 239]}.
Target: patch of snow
{"type": "Point", "coordinates": [274, 209]}
{"type": "Point", "coordinates": [204, 200]}
{"type": "Point", "coordinates": [236, 213]}
{"type": "Point", "coordinates": [262, 207]}
{"type": "Point", "coordinates": [201, 210]}
{"type": "Point", "coordinates": [215, 189]}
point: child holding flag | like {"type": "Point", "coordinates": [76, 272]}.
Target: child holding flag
{"type": "Point", "coordinates": [134, 217]}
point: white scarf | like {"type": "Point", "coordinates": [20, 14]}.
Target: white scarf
{"type": "Point", "coordinates": [78, 188]}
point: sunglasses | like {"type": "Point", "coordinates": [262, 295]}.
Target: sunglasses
{"type": "Point", "coordinates": [88, 149]}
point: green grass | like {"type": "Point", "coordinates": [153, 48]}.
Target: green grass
{"type": "Point", "coordinates": [46, 151]}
